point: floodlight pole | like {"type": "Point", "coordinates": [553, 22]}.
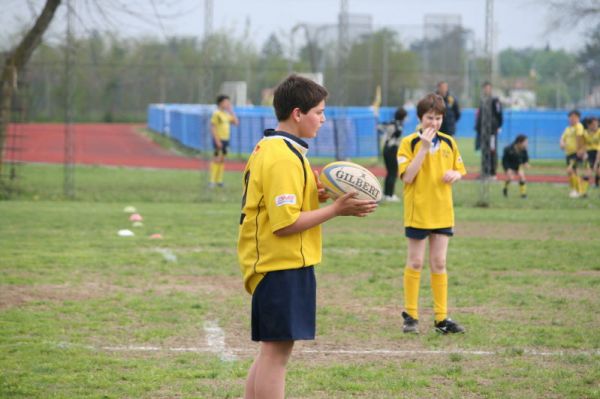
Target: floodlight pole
{"type": "Point", "coordinates": [69, 144]}
{"type": "Point", "coordinates": [485, 129]}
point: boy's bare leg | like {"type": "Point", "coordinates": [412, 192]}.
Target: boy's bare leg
{"type": "Point", "coordinates": [438, 248]}
{"type": "Point", "coordinates": [416, 254]}
{"type": "Point", "coordinates": [266, 378]}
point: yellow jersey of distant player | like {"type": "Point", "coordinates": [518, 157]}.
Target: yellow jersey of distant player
{"type": "Point", "coordinates": [428, 200]}
{"type": "Point", "coordinates": [569, 137]}
{"type": "Point", "coordinates": [592, 140]}
{"type": "Point", "coordinates": [278, 185]}
{"type": "Point", "coordinates": [221, 120]}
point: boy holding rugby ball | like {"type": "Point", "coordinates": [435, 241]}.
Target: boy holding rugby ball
{"type": "Point", "coordinates": [280, 233]}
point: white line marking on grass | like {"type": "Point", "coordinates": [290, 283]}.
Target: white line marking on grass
{"type": "Point", "coordinates": [215, 339]}
{"type": "Point", "coordinates": [167, 254]}
{"type": "Point", "coordinates": [383, 352]}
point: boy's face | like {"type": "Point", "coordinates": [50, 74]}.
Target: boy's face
{"type": "Point", "coordinates": [310, 123]}
{"type": "Point", "coordinates": [523, 144]}
{"type": "Point", "coordinates": [432, 119]}
{"type": "Point", "coordinates": [443, 89]}
{"type": "Point", "coordinates": [225, 104]}
{"type": "Point", "coordinates": [573, 119]}
{"type": "Point", "coordinates": [593, 125]}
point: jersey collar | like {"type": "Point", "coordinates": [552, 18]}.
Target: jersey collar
{"type": "Point", "coordinates": [296, 141]}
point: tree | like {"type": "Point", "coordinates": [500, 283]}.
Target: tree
{"type": "Point", "coordinates": [589, 57]}
{"type": "Point", "coordinates": [568, 14]}
{"type": "Point", "coordinates": [15, 62]}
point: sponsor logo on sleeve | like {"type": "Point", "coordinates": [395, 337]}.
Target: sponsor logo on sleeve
{"type": "Point", "coordinates": [285, 199]}
{"type": "Point", "coordinates": [402, 159]}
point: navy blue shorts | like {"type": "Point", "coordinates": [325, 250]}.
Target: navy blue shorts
{"type": "Point", "coordinates": [284, 306]}
{"type": "Point", "coordinates": [592, 154]}
{"type": "Point", "coordinates": [574, 161]}
{"type": "Point", "coordinates": [421, 234]}
{"type": "Point", "coordinates": [223, 149]}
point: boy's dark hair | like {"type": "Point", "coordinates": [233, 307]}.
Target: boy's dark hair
{"type": "Point", "coordinates": [575, 112]}
{"type": "Point", "coordinates": [486, 83]}
{"type": "Point", "coordinates": [400, 114]}
{"type": "Point", "coordinates": [520, 138]}
{"type": "Point", "coordinates": [221, 98]}
{"type": "Point", "coordinates": [297, 92]}
{"type": "Point", "coordinates": [431, 102]}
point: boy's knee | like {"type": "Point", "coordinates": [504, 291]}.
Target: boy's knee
{"type": "Point", "coordinates": [438, 264]}
{"type": "Point", "coordinates": [415, 263]}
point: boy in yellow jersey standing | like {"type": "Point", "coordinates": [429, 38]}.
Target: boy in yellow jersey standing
{"type": "Point", "coordinates": [592, 144]}
{"type": "Point", "coordinates": [280, 233]}
{"type": "Point", "coordinates": [572, 142]}
{"type": "Point", "coordinates": [220, 124]}
{"type": "Point", "coordinates": [429, 163]}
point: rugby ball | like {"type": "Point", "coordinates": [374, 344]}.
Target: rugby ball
{"type": "Point", "coordinates": [340, 178]}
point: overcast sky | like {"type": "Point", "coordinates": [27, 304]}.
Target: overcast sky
{"type": "Point", "coordinates": [519, 23]}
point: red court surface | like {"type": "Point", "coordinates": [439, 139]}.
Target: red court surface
{"type": "Point", "coordinates": [122, 145]}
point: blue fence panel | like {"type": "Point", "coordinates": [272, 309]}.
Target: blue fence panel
{"type": "Point", "coordinates": [350, 132]}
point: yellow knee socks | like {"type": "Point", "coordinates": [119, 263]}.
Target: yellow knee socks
{"type": "Point", "coordinates": [522, 187]}
{"type": "Point", "coordinates": [412, 280]}
{"type": "Point", "coordinates": [213, 172]}
{"type": "Point", "coordinates": [583, 185]}
{"type": "Point", "coordinates": [439, 290]}
{"type": "Point", "coordinates": [216, 172]}
{"type": "Point", "coordinates": [220, 169]}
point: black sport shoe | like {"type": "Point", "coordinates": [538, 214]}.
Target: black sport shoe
{"type": "Point", "coordinates": [447, 326]}
{"type": "Point", "coordinates": [410, 325]}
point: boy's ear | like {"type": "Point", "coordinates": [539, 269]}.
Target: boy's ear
{"type": "Point", "coordinates": [296, 114]}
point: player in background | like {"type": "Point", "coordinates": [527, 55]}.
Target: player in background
{"type": "Point", "coordinates": [220, 126]}
{"type": "Point", "coordinates": [429, 163]}
{"type": "Point", "coordinates": [452, 114]}
{"type": "Point", "coordinates": [392, 135]}
{"type": "Point", "coordinates": [495, 111]}
{"type": "Point", "coordinates": [592, 144]}
{"type": "Point", "coordinates": [573, 143]}
{"type": "Point", "coordinates": [514, 161]}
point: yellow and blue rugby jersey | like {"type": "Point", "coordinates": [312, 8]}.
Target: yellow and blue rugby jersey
{"type": "Point", "coordinates": [222, 122]}
{"type": "Point", "coordinates": [592, 140]}
{"type": "Point", "coordinates": [569, 137]}
{"type": "Point", "coordinates": [278, 184]}
{"type": "Point", "coordinates": [428, 200]}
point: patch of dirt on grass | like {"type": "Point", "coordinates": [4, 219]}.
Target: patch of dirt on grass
{"type": "Point", "coordinates": [17, 295]}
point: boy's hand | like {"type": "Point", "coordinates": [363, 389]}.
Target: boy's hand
{"type": "Point", "coordinates": [427, 137]}
{"type": "Point", "coordinates": [218, 143]}
{"type": "Point", "coordinates": [347, 205]}
{"type": "Point", "coordinates": [451, 176]}
{"type": "Point", "coordinates": [323, 196]}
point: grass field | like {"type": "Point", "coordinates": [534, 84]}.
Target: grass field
{"type": "Point", "coordinates": [87, 314]}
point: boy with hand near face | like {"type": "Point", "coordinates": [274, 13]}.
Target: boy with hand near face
{"type": "Point", "coordinates": [429, 163]}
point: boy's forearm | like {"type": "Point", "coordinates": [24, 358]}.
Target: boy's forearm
{"type": "Point", "coordinates": [414, 166]}
{"type": "Point", "coordinates": [308, 219]}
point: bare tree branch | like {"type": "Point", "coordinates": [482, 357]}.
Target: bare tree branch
{"type": "Point", "coordinates": [16, 61]}
{"type": "Point", "coordinates": [569, 14]}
